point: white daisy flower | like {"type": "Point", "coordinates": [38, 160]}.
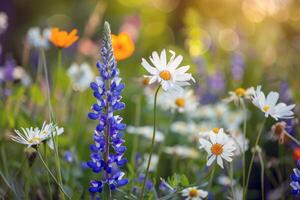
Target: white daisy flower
{"type": "Point", "coordinates": [182, 151]}
{"type": "Point", "coordinates": [241, 143]}
{"type": "Point", "coordinates": [192, 193]}
{"type": "Point", "coordinates": [3, 22]}
{"type": "Point", "coordinates": [166, 73]}
{"type": "Point", "coordinates": [146, 131]}
{"type": "Point", "coordinates": [270, 107]}
{"type": "Point", "coordinates": [225, 181]}
{"type": "Point", "coordinates": [218, 147]}
{"type": "Point", "coordinates": [81, 76]}
{"type": "Point", "coordinates": [184, 101]}
{"type": "Point", "coordinates": [35, 136]}
{"type": "Point", "coordinates": [37, 38]}
{"type": "Point", "coordinates": [238, 94]}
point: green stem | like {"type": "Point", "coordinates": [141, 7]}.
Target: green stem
{"type": "Point", "coordinates": [262, 176]}
{"type": "Point", "coordinates": [48, 178]}
{"type": "Point", "coordinates": [152, 143]}
{"type": "Point", "coordinates": [243, 150]}
{"type": "Point", "coordinates": [27, 184]}
{"type": "Point", "coordinates": [211, 178]}
{"type": "Point", "coordinates": [136, 123]}
{"type": "Point", "coordinates": [52, 118]}
{"type": "Point", "coordinates": [47, 168]}
{"type": "Point", "coordinates": [252, 159]}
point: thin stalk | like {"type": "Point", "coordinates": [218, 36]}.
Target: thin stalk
{"type": "Point", "coordinates": [48, 178]}
{"type": "Point", "coordinates": [231, 176]}
{"type": "Point", "coordinates": [252, 159]}
{"type": "Point", "coordinates": [52, 118]}
{"type": "Point", "coordinates": [292, 138]}
{"type": "Point", "coordinates": [152, 143]}
{"type": "Point", "coordinates": [28, 182]}
{"type": "Point", "coordinates": [244, 133]}
{"type": "Point", "coordinates": [47, 168]}
{"type": "Point", "coordinates": [262, 180]}
{"type": "Point", "coordinates": [211, 178]}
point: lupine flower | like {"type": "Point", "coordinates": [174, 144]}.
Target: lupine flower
{"type": "Point", "coordinates": [193, 193]}
{"type": "Point", "coordinates": [3, 22]}
{"type": "Point", "coordinates": [35, 136]}
{"type": "Point", "coordinates": [237, 66]}
{"type": "Point", "coordinates": [123, 46]}
{"type": "Point", "coordinates": [269, 107]}
{"type": "Point", "coordinates": [63, 39]}
{"type": "Point", "coordinates": [81, 76]}
{"type": "Point", "coordinates": [295, 180]}
{"type": "Point", "coordinates": [166, 73]}
{"type": "Point", "coordinates": [146, 131]}
{"type": "Point", "coordinates": [218, 147]}
{"type": "Point", "coordinates": [216, 82]}
{"type": "Point", "coordinates": [108, 150]}
{"type": "Point", "coordinates": [68, 156]}
{"type": "Point", "coordinates": [238, 94]}
{"type": "Point", "coordinates": [38, 39]}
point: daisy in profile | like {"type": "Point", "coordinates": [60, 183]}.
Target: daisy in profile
{"type": "Point", "coordinates": [166, 72]}
{"type": "Point", "coordinates": [239, 94]}
{"type": "Point", "coordinates": [35, 136]}
{"type": "Point", "coordinates": [218, 146]}
{"type": "Point", "coordinates": [192, 193]}
{"type": "Point", "coordinates": [269, 105]}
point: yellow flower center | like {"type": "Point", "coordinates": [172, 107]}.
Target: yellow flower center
{"type": "Point", "coordinates": [193, 192]}
{"type": "Point", "coordinates": [240, 92]}
{"type": "Point", "coordinates": [34, 139]}
{"type": "Point", "coordinates": [165, 75]}
{"type": "Point", "coordinates": [216, 149]}
{"type": "Point", "coordinates": [216, 130]}
{"type": "Point", "coordinates": [266, 108]}
{"type": "Point", "coordinates": [180, 102]}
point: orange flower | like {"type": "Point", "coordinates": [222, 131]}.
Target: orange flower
{"type": "Point", "coordinates": [123, 46]}
{"type": "Point", "coordinates": [297, 153]}
{"type": "Point", "coordinates": [63, 39]}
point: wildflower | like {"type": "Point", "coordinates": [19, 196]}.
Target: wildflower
{"type": "Point", "coordinates": [236, 194]}
{"type": "Point", "coordinates": [166, 73]}
{"type": "Point", "coordinates": [68, 156]}
{"type": "Point", "coordinates": [296, 152]}
{"type": "Point", "coordinates": [237, 66]}
{"type": "Point", "coordinates": [37, 39]}
{"type": "Point", "coordinates": [33, 137]}
{"type": "Point", "coordinates": [184, 101]}
{"type": "Point", "coordinates": [269, 107]}
{"type": "Point", "coordinates": [295, 177]}
{"type": "Point", "coordinates": [216, 83]}
{"type": "Point", "coordinates": [240, 141]}
{"type": "Point", "coordinates": [279, 131]}
{"type": "Point", "coordinates": [192, 193]}
{"type": "Point", "coordinates": [239, 94]}
{"type": "Point", "coordinates": [146, 131]}
{"type": "Point", "coordinates": [123, 46]}
{"type": "Point", "coordinates": [225, 181]}
{"type": "Point", "coordinates": [181, 151]}
{"type": "Point", "coordinates": [63, 39]}
{"type": "Point", "coordinates": [3, 22]}
{"type": "Point", "coordinates": [108, 150]}
{"type": "Point", "coordinates": [80, 75]}
{"type": "Point", "coordinates": [218, 147]}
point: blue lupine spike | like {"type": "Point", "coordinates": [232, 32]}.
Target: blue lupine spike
{"type": "Point", "coordinates": [107, 90]}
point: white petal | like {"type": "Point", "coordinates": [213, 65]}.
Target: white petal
{"type": "Point", "coordinates": [211, 160]}
{"type": "Point", "coordinates": [220, 161]}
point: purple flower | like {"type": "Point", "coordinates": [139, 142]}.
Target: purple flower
{"type": "Point", "coordinates": [295, 180]}
{"type": "Point", "coordinates": [237, 66]}
{"type": "Point", "coordinates": [68, 156]}
{"type": "Point", "coordinates": [108, 150]}
{"type": "Point", "coordinates": [216, 82]}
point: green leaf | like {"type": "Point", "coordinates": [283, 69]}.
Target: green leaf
{"type": "Point", "coordinates": [184, 181]}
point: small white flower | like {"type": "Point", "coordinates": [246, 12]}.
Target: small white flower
{"type": "Point", "coordinates": [146, 131]}
{"type": "Point", "coordinates": [269, 105]}
{"type": "Point", "coordinates": [184, 101]}
{"type": "Point", "coordinates": [192, 193]}
{"type": "Point", "coordinates": [35, 136]}
{"type": "Point", "coordinates": [239, 94]}
{"type": "Point", "coordinates": [218, 147]}
{"type": "Point", "coordinates": [167, 73]}
{"type": "Point", "coordinates": [38, 39]}
{"type": "Point", "coordinates": [240, 141]}
{"type": "Point", "coordinates": [182, 151]}
{"type": "Point", "coordinates": [81, 76]}
{"type": "Point", "coordinates": [225, 181]}
{"type": "Point", "coordinates": [3, 22]}
{"type": "Point", "coordinates": [153, 163]}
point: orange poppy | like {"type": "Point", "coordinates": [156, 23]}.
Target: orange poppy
{"type": "Point", "coordinates": [297, 153]}
{"type": "Point", "coordinates": [123, 46]}
{"type": "Point", "coordinates": [63, 39]}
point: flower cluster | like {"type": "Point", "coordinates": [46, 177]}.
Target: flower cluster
{"type": "Point", "coordinates": [295, 177]}
{"type": "Point", "coordinates": [108, 150]}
